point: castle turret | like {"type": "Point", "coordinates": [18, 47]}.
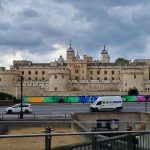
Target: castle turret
{"type": "Point", "coordinates": [60, 59]}
{"type": "Point", "coordinates": [104, 55]}
{"type": "Point", "coordinates": [70, 54]}
{"type": "Point", "coordinates": [77, 56]}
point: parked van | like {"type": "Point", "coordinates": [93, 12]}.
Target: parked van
{"type": "Point", "coordinates": [107, 102]}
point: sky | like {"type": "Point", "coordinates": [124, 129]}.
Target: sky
{"type": "Point", "coordinates": [41, 30]}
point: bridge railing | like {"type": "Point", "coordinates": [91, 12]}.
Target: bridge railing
{"type": "Point", "coordinates": [7, 117]}
{"type": "Point", "coordinates": [121, 140]}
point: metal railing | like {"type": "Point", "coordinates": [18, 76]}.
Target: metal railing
{"type": "Point", "coordinates": [121, 140]}
{"type": "Point", "coordinates": [6, 117]}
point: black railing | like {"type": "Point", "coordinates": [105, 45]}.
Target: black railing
{"type": "Point", "coordinates": [121, 140]}
{"type": "Point", "coordinates": [52, 116]}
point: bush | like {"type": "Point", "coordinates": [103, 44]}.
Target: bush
{"type": "Point", "coordinates": [133, 91]}
{"type": "Point", "coordinates": [6, 96]}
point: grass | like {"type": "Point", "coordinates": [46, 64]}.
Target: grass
{"type": "Point", "coordinates": [36, 143]}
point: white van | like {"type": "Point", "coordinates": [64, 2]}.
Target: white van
{"type": "Point", "coordinates": [107, 102]}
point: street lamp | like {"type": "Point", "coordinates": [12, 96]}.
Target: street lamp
{"type": "Point", "coordinates": [146, 98]}
{"type": "Point", "coordinates": [21, 112]}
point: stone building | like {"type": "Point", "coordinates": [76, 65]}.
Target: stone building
{"type": "Point", "coordinates": [76, 76]}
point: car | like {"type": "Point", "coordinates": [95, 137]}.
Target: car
{"type": "Point", "coordinates": [26, 108]}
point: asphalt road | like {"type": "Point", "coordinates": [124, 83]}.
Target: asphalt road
{"type": "Point", "coordinates": [68, 108]}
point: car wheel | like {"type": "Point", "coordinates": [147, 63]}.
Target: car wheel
{"type": "Point", "coordinates": [26, 111]}
{"type": "Point", "coordinates": [9, 112]}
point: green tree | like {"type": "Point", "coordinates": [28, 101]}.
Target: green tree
{"type": "Point", "coordinates": [133, 91]}
{"type": "Point", "coordinates": [122, 61]}
{"type": "Point", "coordinates": [4, 96]}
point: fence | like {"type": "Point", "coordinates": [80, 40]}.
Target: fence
{"type": "Point", "coordinates": [52, 116]}
{"type": "Point", "coordinates": [121, 140]}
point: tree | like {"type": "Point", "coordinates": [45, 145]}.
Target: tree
{"type": "Point", "coordinates": [122, 61]}
{"type": "Point", "coordinates": [133, 91]}
{"type": "Point", "coordinates": [6, 96]}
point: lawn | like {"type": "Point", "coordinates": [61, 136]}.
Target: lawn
{"type": "Point", "coordinates": [36, 143]}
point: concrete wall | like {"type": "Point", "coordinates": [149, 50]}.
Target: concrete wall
{"type": "Point", "coordinates": [53, 124]}
{"type": "Point", "coordinates": [137, 120]}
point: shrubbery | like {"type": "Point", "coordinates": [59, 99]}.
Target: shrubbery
{"type": "Point", "coordinates": [133, 91]}
{"type": "Point", "coordinates": [6, 96]}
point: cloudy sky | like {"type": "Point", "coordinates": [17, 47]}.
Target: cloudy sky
{"type": "Point", "coordinates": [40, 30]}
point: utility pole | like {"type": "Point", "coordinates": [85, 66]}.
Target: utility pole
{"type": "Point", "coordinates": [146, 98]}
{"type": "Point", "coordinates": [21, 112]}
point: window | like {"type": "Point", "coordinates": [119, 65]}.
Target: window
{"type": "Point", "coordinates": [112, 72]}
{"type": "Point", "coordinates": [91, 78]}
{"type": "Point", "coordinates": [91, 72]}
{"type": "Point", "coordinates": [112, 78]}
{"type": "Point", "coordinates": [76, 71]}
{"type": "Point", "coordinates": [43, 78]}
{"type": "Point", "coordinates": [125, 84]}
{"type": "Point", "coordinates": [98, 72]}
{"type": "Point", "coordinates": [55, 77]}
{"type": "Point", "coordinates": [99, 103]}
{"type": "Point", "coordinates": [55, 88]}
{"type": "Point", "coordinates": [76, 78]}
{"type": "Point", "coordinates": [36, 72]}
{"type": "Point", "coordinates": [0, 79]}
{"type": "Point", "coordinates": [82, 72]}
{"type": "Point", "coordinates": [105, 72]}
{"type": "Point", "coordinates": [43, 72]}
{"type": "Point", "coordinates": [29, 72]}
{"type": "Point", "coordinates": [22, 72]}
{"type": "Point", "coordinates": [105, 78]}
{"type": "Point", "coordinates": [98, 78]}
{"type": "Point", "coordinates": [134, 76]}
{"type": "Point", "coordinates": [62, 76]}
{"type": "Point", "coordinates": [36, 78]}
{"type": "Point", "coordinates": [29, 78]}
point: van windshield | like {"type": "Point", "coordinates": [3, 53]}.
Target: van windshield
{"type": "Point", "coordinates": [99, 103]}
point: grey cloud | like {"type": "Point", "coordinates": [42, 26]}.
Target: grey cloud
{"type": "Point", "coordinates": [4, 26]}
{"type": "Point", "coordinates": [29, 13]}
{"type": "Point", "coordinates": [18, 39]}
{"type": "Point", "coordinates": [37, 25]}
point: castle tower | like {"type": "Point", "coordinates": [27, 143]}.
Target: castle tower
{"type": "Point", "coordinates": [58, 79]}
{"type": "Point", "coordinates": [70, 54]}
{"type": "Point", "coordinates": [132, 78]}
{"type": "Point", "coordinates": [104, 55]}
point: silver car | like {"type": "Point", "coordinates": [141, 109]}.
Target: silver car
{"type": "Point", "coordinates": [26, 108]}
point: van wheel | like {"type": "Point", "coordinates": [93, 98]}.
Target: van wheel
{"type": "Point", "coordinates": [117, 109]}
{"type": "Point", "coordinates": [96, 109]}
{"type": "Point", "coordinates": [9, 112]}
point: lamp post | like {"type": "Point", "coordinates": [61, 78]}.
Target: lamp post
{"type": "Point", "coordinates": [21, 112]}
{"type": "Point", "coordinates": [146, 98]}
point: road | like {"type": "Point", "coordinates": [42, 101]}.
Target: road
{"type": "Point", "coordinates": [68, 108]}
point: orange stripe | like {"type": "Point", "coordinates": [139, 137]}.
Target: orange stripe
{"type": "Point", "coordinates": [35, 99]}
